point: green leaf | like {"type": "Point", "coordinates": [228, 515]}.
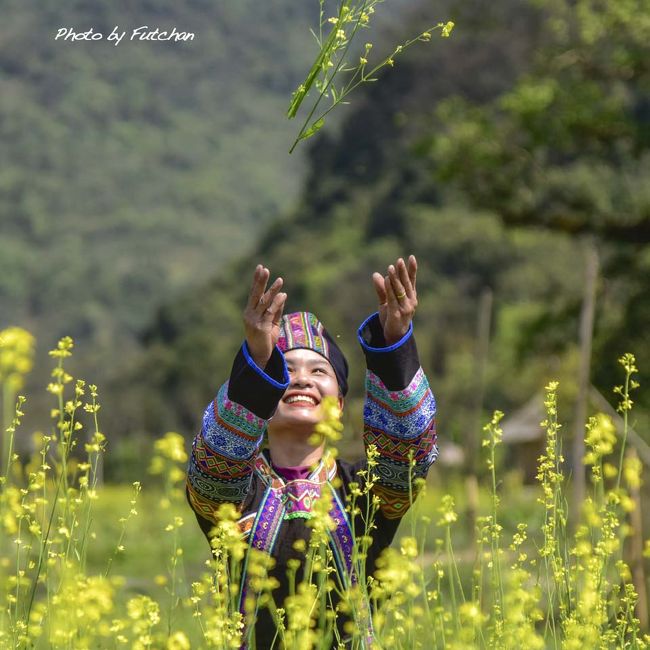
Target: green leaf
{"type": "Point", "coordinates": [316, 126]}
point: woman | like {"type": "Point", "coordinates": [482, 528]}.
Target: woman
{"type": "Point", "coordinates": [287, 366]}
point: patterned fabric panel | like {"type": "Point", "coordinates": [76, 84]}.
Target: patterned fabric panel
{"type": "Point", "coordinates": [245, 524]}
{"type": "Point", "coordinates": [207, 507]}
{"type": "Point", "coordinates": [212, 463]}
{"type": "Point", "coordinates": [398, 423]}
{"type": "Point", "coordinates": [217, 488]}
{"type": "Point", "coordinates": [396, 475]}
{"type": "Point", "coordinates": [394, 503]}
{"type": "Point", "coordinates": [302, 330]}
{"type": "Point", "coordinates": [223, 455]}
{"type": "Point", "coordinates": [404, 414]}
{"type": "Point", "coordinates": [230, 429]}
{"type": "Point", "coordinates": [397, 448]}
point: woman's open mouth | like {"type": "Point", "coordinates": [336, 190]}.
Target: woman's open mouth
{"type": "Point", "coordinates": [301, 400]}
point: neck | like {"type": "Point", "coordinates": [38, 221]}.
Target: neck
{"type": "Point", "coordinates": [293, 451]}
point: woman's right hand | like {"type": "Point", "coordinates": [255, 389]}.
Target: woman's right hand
{"type": "Point", "coordinates": [262, 316]}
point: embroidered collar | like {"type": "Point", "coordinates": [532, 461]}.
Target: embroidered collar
{"type": "Point", "coordinates": [325, 471]}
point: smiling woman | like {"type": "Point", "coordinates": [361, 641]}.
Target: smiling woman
{"type": "Point", "coordinates": [311, 380]}
{"type": "Point", "coordinates": [286, 371]}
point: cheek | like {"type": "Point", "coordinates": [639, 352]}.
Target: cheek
{"type": "Point", "coordinates": [329, 386]}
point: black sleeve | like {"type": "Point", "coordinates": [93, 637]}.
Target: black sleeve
{"type": "Point", "coordinates": [395, 364]}
{"type": "Point", "coordinates": [255, 389]}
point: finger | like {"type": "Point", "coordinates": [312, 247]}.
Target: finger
{"type": "Point", "coordinates": [390, 294]}
{"type": "Point", "coordinates": [267, 298]}
{"type": "Point", "coordinates": [413, 270]}
{"type": "Point", "coordinates": [270, 312]}
{"type": "Point", "coordinates": [404, 278]}
{"type": "Point", "coordinates": [260, 278]}
{"type": "Point", "coordinates": [398, 289]}
{"type": "Point", "coordinates": [378, 282]}
{"type": "Point", "coordinates": [279, 302]}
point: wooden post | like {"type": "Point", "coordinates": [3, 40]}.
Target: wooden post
{"type": "Point", "coordinates": [586, 336]}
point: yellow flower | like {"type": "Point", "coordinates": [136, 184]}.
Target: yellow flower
{"type": "Point", "coordinates": [446, 509]}
{"type": "Point", "coordinates": [178, 641]}
{"type": "Point", "coordinates": [447, 28]}
{"type": "Point", "coordinates": [171, 446]}
{"type": "Point", "coordinates": [632, 468]}
{"type": "Point", "coordinates": [409, 547]}
{"type": "Point", "coordinates": [600, 438]}
{"type": "Point", "coordinates": [16, 357]}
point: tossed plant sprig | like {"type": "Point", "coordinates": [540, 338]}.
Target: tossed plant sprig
{"type": "Point", "coordinates": [332, 74]}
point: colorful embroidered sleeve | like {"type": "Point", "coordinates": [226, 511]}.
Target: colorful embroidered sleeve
{"type": "Point", "coordinates": [399, 415]}
{"type": "Point", "coordinates": [223, 453]}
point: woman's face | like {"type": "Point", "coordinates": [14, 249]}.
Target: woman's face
{"type": "Point", "coordinates": [311, 379]}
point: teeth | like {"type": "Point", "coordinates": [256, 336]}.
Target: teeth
{"type": "Point", "coordinates": [301, 398]}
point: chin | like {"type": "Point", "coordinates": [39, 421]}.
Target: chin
{"type": "Point", "coordinates": [299, 420]}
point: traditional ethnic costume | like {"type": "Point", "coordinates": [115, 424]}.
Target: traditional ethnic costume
{"type": "Point", "coordinates": [275, 503]}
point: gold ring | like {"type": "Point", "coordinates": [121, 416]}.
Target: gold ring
{"type": "Point", "coordinates": [399, 296]}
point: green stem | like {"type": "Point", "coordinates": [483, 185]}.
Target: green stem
{"type": "Point", "coordinates": [326, 87]}
{"type": "Point", "coordinates": [626, 395]}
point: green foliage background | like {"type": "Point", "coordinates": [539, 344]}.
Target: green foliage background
{"type": "Point", "coordinates": [139, 185]}
{"type": "Point", "coordinates": [129, 173]}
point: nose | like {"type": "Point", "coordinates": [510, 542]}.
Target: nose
{"type": "Point", "coordinates": [299, 377]}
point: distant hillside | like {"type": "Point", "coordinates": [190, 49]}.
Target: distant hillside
{"type": "Point", "coordinates": [131, 173]}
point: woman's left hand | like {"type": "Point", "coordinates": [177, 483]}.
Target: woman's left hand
{"type": "Point", "coordinates": [397, 298]}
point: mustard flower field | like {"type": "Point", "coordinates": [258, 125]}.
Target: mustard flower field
{"type": "Point", "coordinates": [86, 565]}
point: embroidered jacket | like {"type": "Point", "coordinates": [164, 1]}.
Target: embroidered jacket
{"type": "Point", "coordinates": [226, 464]}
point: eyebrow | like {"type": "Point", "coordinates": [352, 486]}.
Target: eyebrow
{"type": "Point", "coordinates": [312, 363]}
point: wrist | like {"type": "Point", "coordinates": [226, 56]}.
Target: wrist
{"type": "Point", "coordinates": [261, 360]}
{"type": "Point", "coordinates": [392, 336]}
{"type": "Point", "coordinates": [259, 357]}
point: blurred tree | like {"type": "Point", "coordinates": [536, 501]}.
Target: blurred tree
{"type": "Point", "coordinates": [568, 148]}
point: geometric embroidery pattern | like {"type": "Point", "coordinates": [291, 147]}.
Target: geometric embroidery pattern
{"type": "Point", "coordinates": [220, 468]}
{"type": "Point", "coordinates": [404, 414]}
{"type": "Point", "coordinates": [230, 429]}
{"type": "Point", "coordinates": [394, 503]}
{"type": "Point", "coordinates": [302, 330]}
{"type": "Point", "coordinates": [399, 423]}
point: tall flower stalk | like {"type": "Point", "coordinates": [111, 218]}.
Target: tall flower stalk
{"type": "Point", "coordinates": [551, 479]}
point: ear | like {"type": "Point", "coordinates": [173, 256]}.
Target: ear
{"type": "Point", "coordinates": [341, 402]}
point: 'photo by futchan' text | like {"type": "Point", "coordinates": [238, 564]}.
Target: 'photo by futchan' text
{"type": "Point", "coordinates": [142, 33]}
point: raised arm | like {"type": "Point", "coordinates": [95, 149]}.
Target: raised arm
{"type": "Point", "coordinates": [399, 412]}
{"type": "Point", "coordinates": [223, 453]}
